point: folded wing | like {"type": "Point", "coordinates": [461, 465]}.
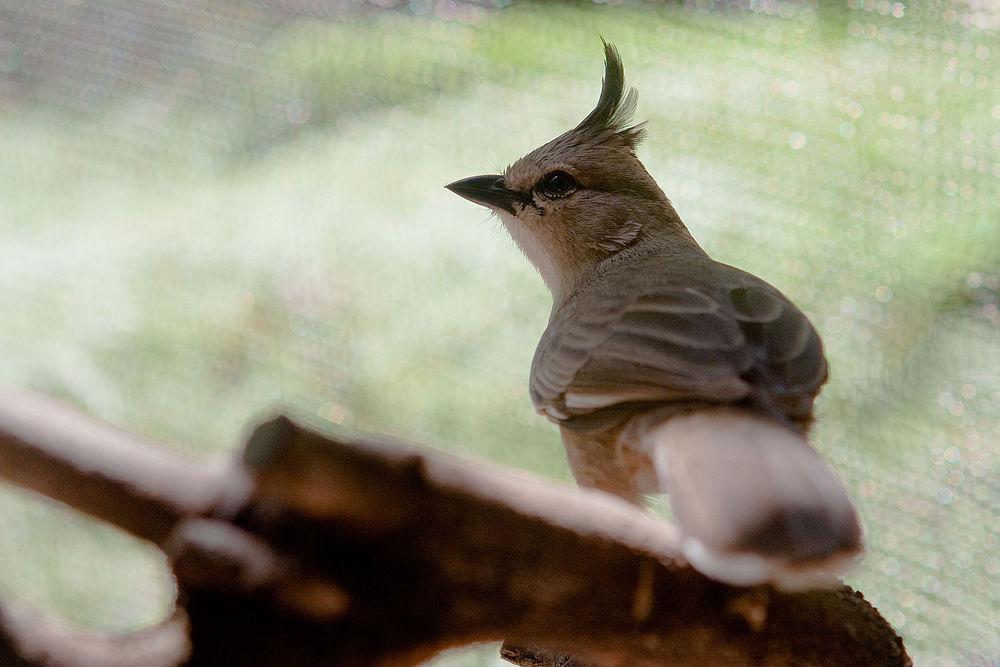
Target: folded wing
{"type": "Point", "coordinates": [714, 341]}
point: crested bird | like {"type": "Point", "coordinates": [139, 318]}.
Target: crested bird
{"type": "Point", "coordinates": [665, 370]}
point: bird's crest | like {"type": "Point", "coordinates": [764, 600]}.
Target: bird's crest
{"type": "Point", "coordinates": [616, 106]}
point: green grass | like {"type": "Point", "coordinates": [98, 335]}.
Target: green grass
{"type": "Point", "coordinates": [180, 277]}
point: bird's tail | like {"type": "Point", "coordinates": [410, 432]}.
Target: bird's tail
{"type": "Point", "coordinates": [754, 501]}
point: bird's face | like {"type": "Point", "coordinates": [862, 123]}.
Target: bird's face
{"type": "Point", "coordinates": [570, 206]}
{"type": "Point", "coordinates": [582, 197]}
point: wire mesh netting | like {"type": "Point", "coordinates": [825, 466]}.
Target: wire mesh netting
{"type": "Point", "coordinates": [209, 207]}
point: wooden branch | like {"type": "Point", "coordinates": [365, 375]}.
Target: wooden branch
{"type": "Point", "coordinates": [95, 468]}
{"type": "Point", "coordinates": [367, 551]}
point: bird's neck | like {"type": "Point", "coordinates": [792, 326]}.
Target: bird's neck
{"type": "Point", "coordinates": [675, 244]}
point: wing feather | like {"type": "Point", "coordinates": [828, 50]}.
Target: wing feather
{"type": "Point", "coordinates": [714, 341]}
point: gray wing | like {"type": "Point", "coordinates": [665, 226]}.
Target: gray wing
{"type": "Point", "coordinates": [725, 337]}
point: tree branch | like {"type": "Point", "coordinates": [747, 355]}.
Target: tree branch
{"type": "Point", "coordinates": [330, 549]}
{"type": "Point", "coordinates": [95, 468]}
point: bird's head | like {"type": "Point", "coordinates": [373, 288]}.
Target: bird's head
{"type": "Point", "coordinates": [584, 196]}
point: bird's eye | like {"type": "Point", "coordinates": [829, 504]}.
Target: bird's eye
{"type": "Point", "coordinates": [557, 184]}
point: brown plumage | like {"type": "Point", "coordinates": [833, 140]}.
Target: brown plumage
{"type": "Point", "coordinates": [666, 370]}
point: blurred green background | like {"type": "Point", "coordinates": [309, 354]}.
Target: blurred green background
{"type": "Point", "coordinates": [207, 208]}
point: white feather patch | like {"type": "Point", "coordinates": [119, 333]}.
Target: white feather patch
{"type": "Point", "coordinates": [534, 251]}
{"type": "Point", "coordinates": [622, 236]}
{"type": "Point", "coordinates": [589, 401]}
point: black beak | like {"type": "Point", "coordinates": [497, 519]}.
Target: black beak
{"type": "Point", "coordinates": [488, 191]}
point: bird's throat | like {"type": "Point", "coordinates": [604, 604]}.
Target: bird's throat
{"type": "Point", "coordinates": [554, 275]}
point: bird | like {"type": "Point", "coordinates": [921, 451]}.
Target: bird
{"type": "Point", "coordinates": [666, 371]}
